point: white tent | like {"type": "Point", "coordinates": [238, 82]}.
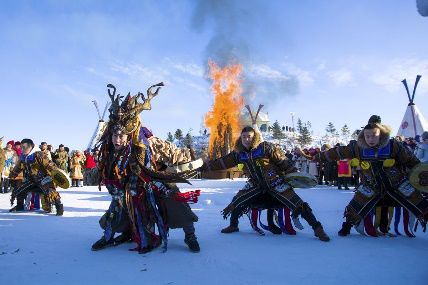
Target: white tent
{"type": "Point", "coordinates": [413, 122]}
{"type": "Point", "coordinates": [99, 130]}
{"type": "Point", "coordinates": [101, 126]}
{"type": "Point", "coordinates": [259, 120]}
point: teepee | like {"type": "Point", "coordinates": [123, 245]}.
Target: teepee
{"type": "Point", "coordinates": [413, 122]}
{"type": "Point", "coordinates": [101, 126]}
{"type": "Point", "coordinates": [254, 120]}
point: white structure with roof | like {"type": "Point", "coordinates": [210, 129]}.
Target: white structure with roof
{"type": "Point", "coordinates": [413, 123]}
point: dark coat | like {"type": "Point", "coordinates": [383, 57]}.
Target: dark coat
{"type": "Point", "coordinates": [179, 214]}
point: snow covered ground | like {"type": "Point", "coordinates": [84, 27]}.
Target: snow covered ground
{"type": "Point", "coordinates": [45, 249]}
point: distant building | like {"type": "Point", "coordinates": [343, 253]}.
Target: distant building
{"type": "Point", "coordinates": [263, 121]}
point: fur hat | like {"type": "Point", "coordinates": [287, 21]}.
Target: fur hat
{"type": "Point", "coordinates": [375, 122]}
{"type": "Point", "coordinates": [325, 146]}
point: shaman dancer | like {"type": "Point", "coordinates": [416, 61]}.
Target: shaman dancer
{"type": "Point", "coordinates": [139, 191]}
{"type": "Point", "coordinates": [266, 165]}
{"type": "Point", "coordinates": [37, 169]}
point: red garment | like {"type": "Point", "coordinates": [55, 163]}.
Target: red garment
{"type": "Point", "coordinates": [17, 150]}
{"type": "Point", "coordinates": [344, 168]}
{"type": "Point", "coordinates": [90, 161]}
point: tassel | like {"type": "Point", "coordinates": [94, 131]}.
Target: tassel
{"type": "Point", "coordinates": [368, 225]}
{"type": "Point", "coordinates": [281, 223]}
{"type": "Point", "coordinates": [287, 221]}
{"type": "Point", "coordinates": [253, 221]}
{"type": "Point", "coordinates": [406, 223]}
{"type": "Point", "coordinates": [397, 219]}
{"type": "Point", "coordinates": [384, 220]}
{"type": "Point", "coordinates": [412, 222]}
{"type": "Point", "coordinates": [390, 216]}
{"type": "Point", "coordinates": [263, 226]}
{"type": "Point", "coordinates": [377, 216]}
{"type": "Point", "coordinates": [159, 220]}
{"type": "Point", "coordinates": [360, 228]}
{"type": "Point", "coordinates": [190, 197]}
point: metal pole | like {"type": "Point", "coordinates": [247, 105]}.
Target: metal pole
{"type": "Point", "coordinates": [292, 119]}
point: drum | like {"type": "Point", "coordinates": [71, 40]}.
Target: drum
{"type": "Point", "coordinates": [60, 178]}
{"type": "Point", "coordinates": [192, 165]}
{"type": "Point", "coordinates": [419, 177]}
{"type": "Point", "coordinates": [301, 180]}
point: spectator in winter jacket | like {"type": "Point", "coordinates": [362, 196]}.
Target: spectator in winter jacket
{"type": "Point", "coordinates": [10, 161]}
{"type": "Point", "coordinates": [61, 158]}
{"type": "Point", "coordinates": [2, 155]}
{"type": "Point", "coordinates": [76, 165]}
{"type": "Point", "coordinates": [344, 173]}
{"type": "Point", "coordinates": [422, 149]}
{"type": "Point", "coordinates": [17, 148]}
{"type": "Point", "coordinates": [90, 161]}
{"type": "Point", "coordinates": [313, 165]}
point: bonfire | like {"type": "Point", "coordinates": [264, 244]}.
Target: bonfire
{"type": "Point", "coordinates": [223, 119]}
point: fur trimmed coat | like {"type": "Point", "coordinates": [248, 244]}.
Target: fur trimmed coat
{"type": "Point", "coordinates": [76, 166]}
{"type": "Point", "coordinates": [395, 159]}
{"type": "Point", "coordinates": [268, 158]}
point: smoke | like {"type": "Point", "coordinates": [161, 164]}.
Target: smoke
{"type": "Point", "coordinates": [422, 6]}
{"type": "Point", "coordinates": [238, 31]}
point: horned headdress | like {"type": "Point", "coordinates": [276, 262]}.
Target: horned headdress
{"type": "Point", "coordinates": [125, 113]}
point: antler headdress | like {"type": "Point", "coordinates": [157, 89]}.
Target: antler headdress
{"type": "Point", "coordinates": [124, 114]}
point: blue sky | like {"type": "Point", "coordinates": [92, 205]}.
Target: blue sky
{"type": "Point", "coordinates": [337, 61]}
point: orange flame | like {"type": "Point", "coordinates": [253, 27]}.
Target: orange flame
{"type": "Point", "coordinates": [223, 119]}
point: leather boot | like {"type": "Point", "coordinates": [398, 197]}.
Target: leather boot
{"type": "Point", "coordinates": [124, 237]}
{"type": "Point", "coordinates": [59, 208]}
{"type": "Point", "coordinates": [192, 242]}
{"type": "Point", "coordinates": [307, 214]}
{"type": "Point", "coordinates": [345, 230]}
{"type": "Point", "coordinates": [320, 233]}
{"type": "Point", "coordinates": [101, 244]}
{"type": "Point", "coordinates": [230, 229]}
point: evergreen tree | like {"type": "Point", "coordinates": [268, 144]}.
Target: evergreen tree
{"type": "Point", "coordinates": [170, 137]}
{"type": "Point", "coordinates": [355, 134]}
{"type": "Point", "coordinates": [345, 132]}
{"type": "Point", "coordinates": [305, 137]}
{"type": "Point", "coordinates": [331, 129]}
{"type": "Point", "coordinates": [299, 125]}
{"type": "Point", "coordinates": [277, 131]}
{"type": "Point", "coordinates": [188, 140]}
{"type": "Point", "coordinates": [178, 134]}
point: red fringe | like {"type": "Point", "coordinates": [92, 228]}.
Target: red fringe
{"type": "Point", "coordinates": [188, 197]}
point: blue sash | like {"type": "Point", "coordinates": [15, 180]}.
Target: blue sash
{"type": "Point", "coordinates": [255, 153]}
{"type": "Point", "coordinates": [373, 153]}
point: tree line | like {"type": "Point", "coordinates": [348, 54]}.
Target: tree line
{"type": "Point", "coordinates": [304, 134]}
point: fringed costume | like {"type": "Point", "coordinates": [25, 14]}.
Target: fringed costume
{"type": "Point", "coordinates": [37, 169]}
{"type": "Point", "coordinates": [385, 193]}
{"type": "Point", "coordinates": [266, 165]}
{"type": "Point", "coordinates": [138, 209]}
